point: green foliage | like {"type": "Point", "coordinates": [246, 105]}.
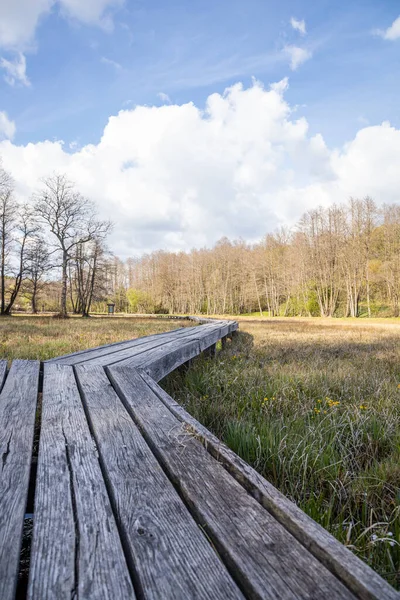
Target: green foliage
{"type": "Point", "coordinates": [140, 302]}
{"type": "Point", "coordinates": [302, 305]}
{"type": "Point", "coordinates": [312, 306]}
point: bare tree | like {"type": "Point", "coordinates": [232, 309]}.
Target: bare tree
{"type": "Point", "coordinates": [71, 219]}
{"type": "Point", "coordinates": [88, 274]}
{"type": "Point", "coordinates": [8, 210]}
{"type": "Point", "coordinates": [16, 227]}
{"type": "Point", "coordinates": [26, 228]}
{"type": "Point", "coordinates": [38, 264]}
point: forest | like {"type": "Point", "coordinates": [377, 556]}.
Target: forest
{"type": "Point", "coordinates": [336, 261]}
{"type": "Point", "coordinates": [340, 260]}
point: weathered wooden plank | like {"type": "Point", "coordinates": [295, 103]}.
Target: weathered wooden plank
{"type": "Point", "coordinates": [172, 558]}
{"type": "Point", "coordinates": [160, 361]}
{"type": "Point", "coordinates": [267, 561]}
{"type": "Point", "coordinates": [17, 421]}
{"type": "Point", "coordinates": [359, 577]}
{"type": "Point", "coordinates": [83, 355]}
{"type": "Point", "coordinates": [166, 359]}
{"type": "Point", "coordinates": [163, 360]}
{"type": "Point", "coordinates": [140, 350]}
{"type": "Point", "coordinates": [3, 372]}
{"type": "Point", "coordinates": [122, 350]}
{"type": "Point", "coordinates": [76, 548]}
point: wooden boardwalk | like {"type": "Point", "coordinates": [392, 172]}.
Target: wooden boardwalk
{"type": "Point", "coordinates": [136, 499]}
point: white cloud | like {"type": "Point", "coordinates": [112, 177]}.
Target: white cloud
{"type": "Point", "coordinates": [180, 176]}
{"type": "Point", "coordinates": [112, 63]}
{"type": "Point", "coordinates": [91, 11]}
{"type": "Point", "coordinates": [164, 98]}
{"type": "Point", "coordinates": [7, 127]}
{"type": "Point", "coordinates": [392, 32]}
{"type": "Point", "coordinates": [297, 56]}
{"type": "Point", "coordinates": [15, 70]}
{"type": "Point", "coordinates": [299, 26]}
{"type": "Point", "coordinates": [19, 19]}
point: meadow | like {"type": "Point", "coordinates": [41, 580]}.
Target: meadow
{"type": "Point", "coordinates": [314, 406]}
{"type": "Point", "coordinates": [42, 338]}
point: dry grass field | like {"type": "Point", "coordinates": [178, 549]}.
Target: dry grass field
{"type": "Point", "coordinates": [314, 405]}
{"type": "Point", "coordinates": [45, 337]}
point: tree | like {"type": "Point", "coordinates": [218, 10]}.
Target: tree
{"type": "Point", "coordinates": [71, 219]}
{"type": "Point", "coordinates": [37, 265]}
{"type": "Point", "coordinates": [25, 229]}
{"type": "Point", "coordinates": [88, 274]}
{"type": "Point", "coordinates": [16, 227]}
{"type": "Point", "coordinates": [8, 209]}
{"type": "Point", "coordinates": [139, 301]}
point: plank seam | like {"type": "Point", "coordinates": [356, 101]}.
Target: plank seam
{"type": "Point", "coordinates": [75, 588]}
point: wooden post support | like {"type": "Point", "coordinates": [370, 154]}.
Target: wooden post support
{"type": "Point", "coordinates": [211, 351]}
{"type": "Point", "coordinates": [186, 366]}
{"type": "Point", "coordinates": [223, 341]}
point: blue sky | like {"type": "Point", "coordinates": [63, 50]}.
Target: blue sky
{"type": "Point", "coordinates": [140, 104]}
{"type": "Point", "coordinates": [191, 49]}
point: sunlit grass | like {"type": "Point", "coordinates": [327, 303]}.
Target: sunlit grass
{"type": "Point", "coordinates": [315, 408]}
{"type": "Point", "coordinates": [46, 337]}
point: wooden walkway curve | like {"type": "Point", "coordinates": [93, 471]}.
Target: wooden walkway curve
{"type": "Point", "coordinates": [136, 499]}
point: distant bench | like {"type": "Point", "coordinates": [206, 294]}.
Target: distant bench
{"type": "Point", "coordinates": [136, 499]}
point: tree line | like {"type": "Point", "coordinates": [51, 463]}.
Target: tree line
{"type": "Point", "coordinates": [341, 260]}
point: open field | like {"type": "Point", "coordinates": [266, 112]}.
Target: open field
{"type": "Point", "coordinates": [314, 405]}
{"type": "Point", "coordinates": [45, 337]}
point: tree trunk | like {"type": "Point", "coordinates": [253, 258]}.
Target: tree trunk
{"type": "Point", "coordinates": [368, 293]}
{"type": "Point", "coordinates": [33, 301]}
{"type": "Point", "coordinates": [64, 282]}
{"type": "Point", "coordinates": [3, 260]}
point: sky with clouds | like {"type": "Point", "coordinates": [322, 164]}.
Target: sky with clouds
{"type": "Point", "coordinates": [187, 121]}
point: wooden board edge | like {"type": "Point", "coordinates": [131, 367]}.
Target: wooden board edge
{"type": "Point", "coordinates": [3, 372]}
{"type": "Point", "coordinates": [361, 579]}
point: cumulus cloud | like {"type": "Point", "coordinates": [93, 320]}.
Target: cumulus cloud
{"type": "Point", "coordinates": [15, 70]}
{"type": "Point", "coordinates": [182, 176]}
{"type": "Point", "coordinates": [297, 56]}
{"type": "Point", "coordinates": [391, 33]}
{"type": "Point", "coordinates": [299, 26]}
